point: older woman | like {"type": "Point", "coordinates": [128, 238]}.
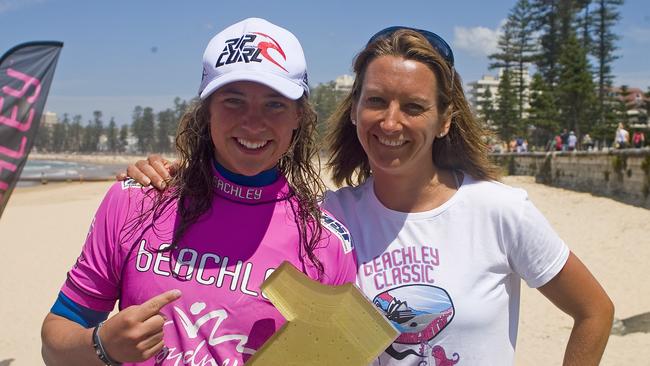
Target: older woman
{"type": "Point", "coordinates": [441, 245]}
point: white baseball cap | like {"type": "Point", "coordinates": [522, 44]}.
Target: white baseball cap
{"type": "Point", "coordinates": [255, 50]}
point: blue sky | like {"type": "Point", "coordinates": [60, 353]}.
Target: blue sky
{"type": "Point", "coordinates": [108, 62]}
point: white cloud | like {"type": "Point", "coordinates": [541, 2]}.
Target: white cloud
{"type": "Point", "coordinates": [478, 41]}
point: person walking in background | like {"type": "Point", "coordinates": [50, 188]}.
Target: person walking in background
{"type": "Point", "coordinates": [565, 139]}
{"type": "Point", "coordinates": [572, 141]}
{"type": "Point", "coordinates": [186, 264]}
{"type": "Point", "coordinates": [638, 139]}
{"type": "Point", "coordinates": [519, 143]}
{"type": "Point", "coordinates": [512, 146]}
{"type": "Point", "coordinates": [558, 143]}
{"type": "Point", "coordinates": [621, 137]}
{"type": "Point", "coordinates": [442, 246]}
{"type": "Point", "coordinates": [587, 142]}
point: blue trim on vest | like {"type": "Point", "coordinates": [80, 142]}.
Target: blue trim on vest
{"type": "Point", "coordinates": [262, 179]}
{"type": "Point", "coordinates": [87, 318]}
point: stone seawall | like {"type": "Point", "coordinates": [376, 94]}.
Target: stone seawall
{"type": "Point", "coordinates": [623, 175]}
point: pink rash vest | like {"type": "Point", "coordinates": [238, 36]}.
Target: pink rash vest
{"type": "Point", "coordinates": [222, 318]}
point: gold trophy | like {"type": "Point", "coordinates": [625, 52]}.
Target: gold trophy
{"type": "Point", "coordinates": [326, 325]}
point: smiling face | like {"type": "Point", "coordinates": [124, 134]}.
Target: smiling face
{"type": "Point", "coordinates": [251, 126]}
{"type": "Point", "coordinates": [397, 115]}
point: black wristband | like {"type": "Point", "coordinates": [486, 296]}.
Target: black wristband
{"type": "Point", "coordinates": [99, 348]}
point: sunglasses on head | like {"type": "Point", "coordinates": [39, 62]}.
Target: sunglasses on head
{"type": "Point", "coordinates": [435, 40]}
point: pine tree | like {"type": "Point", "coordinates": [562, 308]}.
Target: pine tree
{"type": "Point", "coordinates": [486, 104]}
{"type": "Point", "coordinates": [165, 130]}
{"type": "Point", "coordinates": [622, 106]}
{"type": "Point", "coordinates": [59, 134]}
{"type": "Point", "coordinates": [584, 23]}
{"type": "Point", "coordinates": [557, 21]}
{"type": "Point", "coordinates": [138, 129]}
{"type": "Point", "coordinates": [547, 21]}
{"type": "Point", "coordinates": [111, 136]}
{"type": "Point", "coordinates": [76, 134]}
{"type": "Point", "coordinates": [124, 138]}
{"type": "Point", "coordinates": [523, 48]}
{"type": "Point", "coordinates": [324, 98]}
{"type": "Point", "coordinates": [505, 57]}
{"type": "Point", "coordinates": [506, 104]}
{"type": "Point", "coordinates": [605, 16]}
{"type": "Point", "coordinates": [543, 113]}
{"type": "Point", "coordinates": [505, 118]}
{"type": "Point", "coordinates": [43, 141]}
{"type": "Point", "coordinates": [575, 88]}
{"type": "Point", "coordinates": [569, 19]}
{"type": "Point", "coordinates": [148, 129]}
{"type": "Point", "coordinates": [88, 138]}
{"type": "Point", "coordinates": [180, 106]}
{"type": "Point", "coordinates": [96, 131]}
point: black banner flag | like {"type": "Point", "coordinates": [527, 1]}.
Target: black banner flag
{"type": "Point", "coordinates": [26, 73]}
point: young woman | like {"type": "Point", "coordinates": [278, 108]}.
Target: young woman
{"type": "Point", "coordinates": [186, 264]}
{"type": "Point", "coordinates": [441, 245]}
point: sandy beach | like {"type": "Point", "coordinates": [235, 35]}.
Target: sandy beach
{"type": "Point", "coordinates": [43, 228]}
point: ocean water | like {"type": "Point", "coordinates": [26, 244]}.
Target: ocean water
{"type": "Point", "coordinates": [37, 171]}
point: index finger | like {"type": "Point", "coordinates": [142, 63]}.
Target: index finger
{"type": "Point", "coordinates": [152, 306]}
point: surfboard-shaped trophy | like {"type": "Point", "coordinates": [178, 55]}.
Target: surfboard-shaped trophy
{"type": "Point", "coordinates": [326, 325]}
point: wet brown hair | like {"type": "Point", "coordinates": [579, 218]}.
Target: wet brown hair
{"type": "Point", "coordinates": [193, 184]}
{"type": "Point", "coordinates": [464, 147]}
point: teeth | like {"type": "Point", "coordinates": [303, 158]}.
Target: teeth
{"type": "Point", "coordinates": [387, 142]}
{"type": "Point", "coordinates": [252, 144]}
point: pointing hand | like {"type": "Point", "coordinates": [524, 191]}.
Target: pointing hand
{"type": "Point", "coordinates": [136, 333]}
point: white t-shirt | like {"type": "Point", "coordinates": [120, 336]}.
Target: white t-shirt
{"type": "Point", "coordinates": [573, 140]}
{"type": "Point", "coordinates": [449, 278]}
{"type": "Point", "coordinates": [622, 136]}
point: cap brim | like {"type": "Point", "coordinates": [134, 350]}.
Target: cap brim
{"type": "Point", "coordinates": [273, 81]}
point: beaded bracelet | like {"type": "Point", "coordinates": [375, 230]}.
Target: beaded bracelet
{"type": "Point", "coordinates": [99, 348]}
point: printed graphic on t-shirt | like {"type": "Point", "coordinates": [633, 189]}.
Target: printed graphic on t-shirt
{"type": "Point", "coordinates": [333, 225]}
{"type": "Point", "coordinates": [130, 183]}
{"type": "Point", "coordinates": [190, 265]}
{"type": "Point", "coordinates": [403, 279]}
{"type": "Point", "coordinates": [191, 322]}
{"type": "Point", "coordinates": [203, 329]}
{"type": "Point", "coordinates": [419, 319]}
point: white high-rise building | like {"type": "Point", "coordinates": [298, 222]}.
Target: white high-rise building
{"type": "Point", "coordinates": [49, 118]}
{"type": "Point", "coordinates": [476, 90]}
{"type": "Point", "coordinates": [343, 83]}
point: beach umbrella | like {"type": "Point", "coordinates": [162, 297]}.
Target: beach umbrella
{"type": "Point", "coordinates": [26, 73]}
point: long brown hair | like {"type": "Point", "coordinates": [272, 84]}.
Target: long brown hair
{"type": "Point", "coordinates": [193, 184]}
{"type": "Point", "coordinates": [464, 147]}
